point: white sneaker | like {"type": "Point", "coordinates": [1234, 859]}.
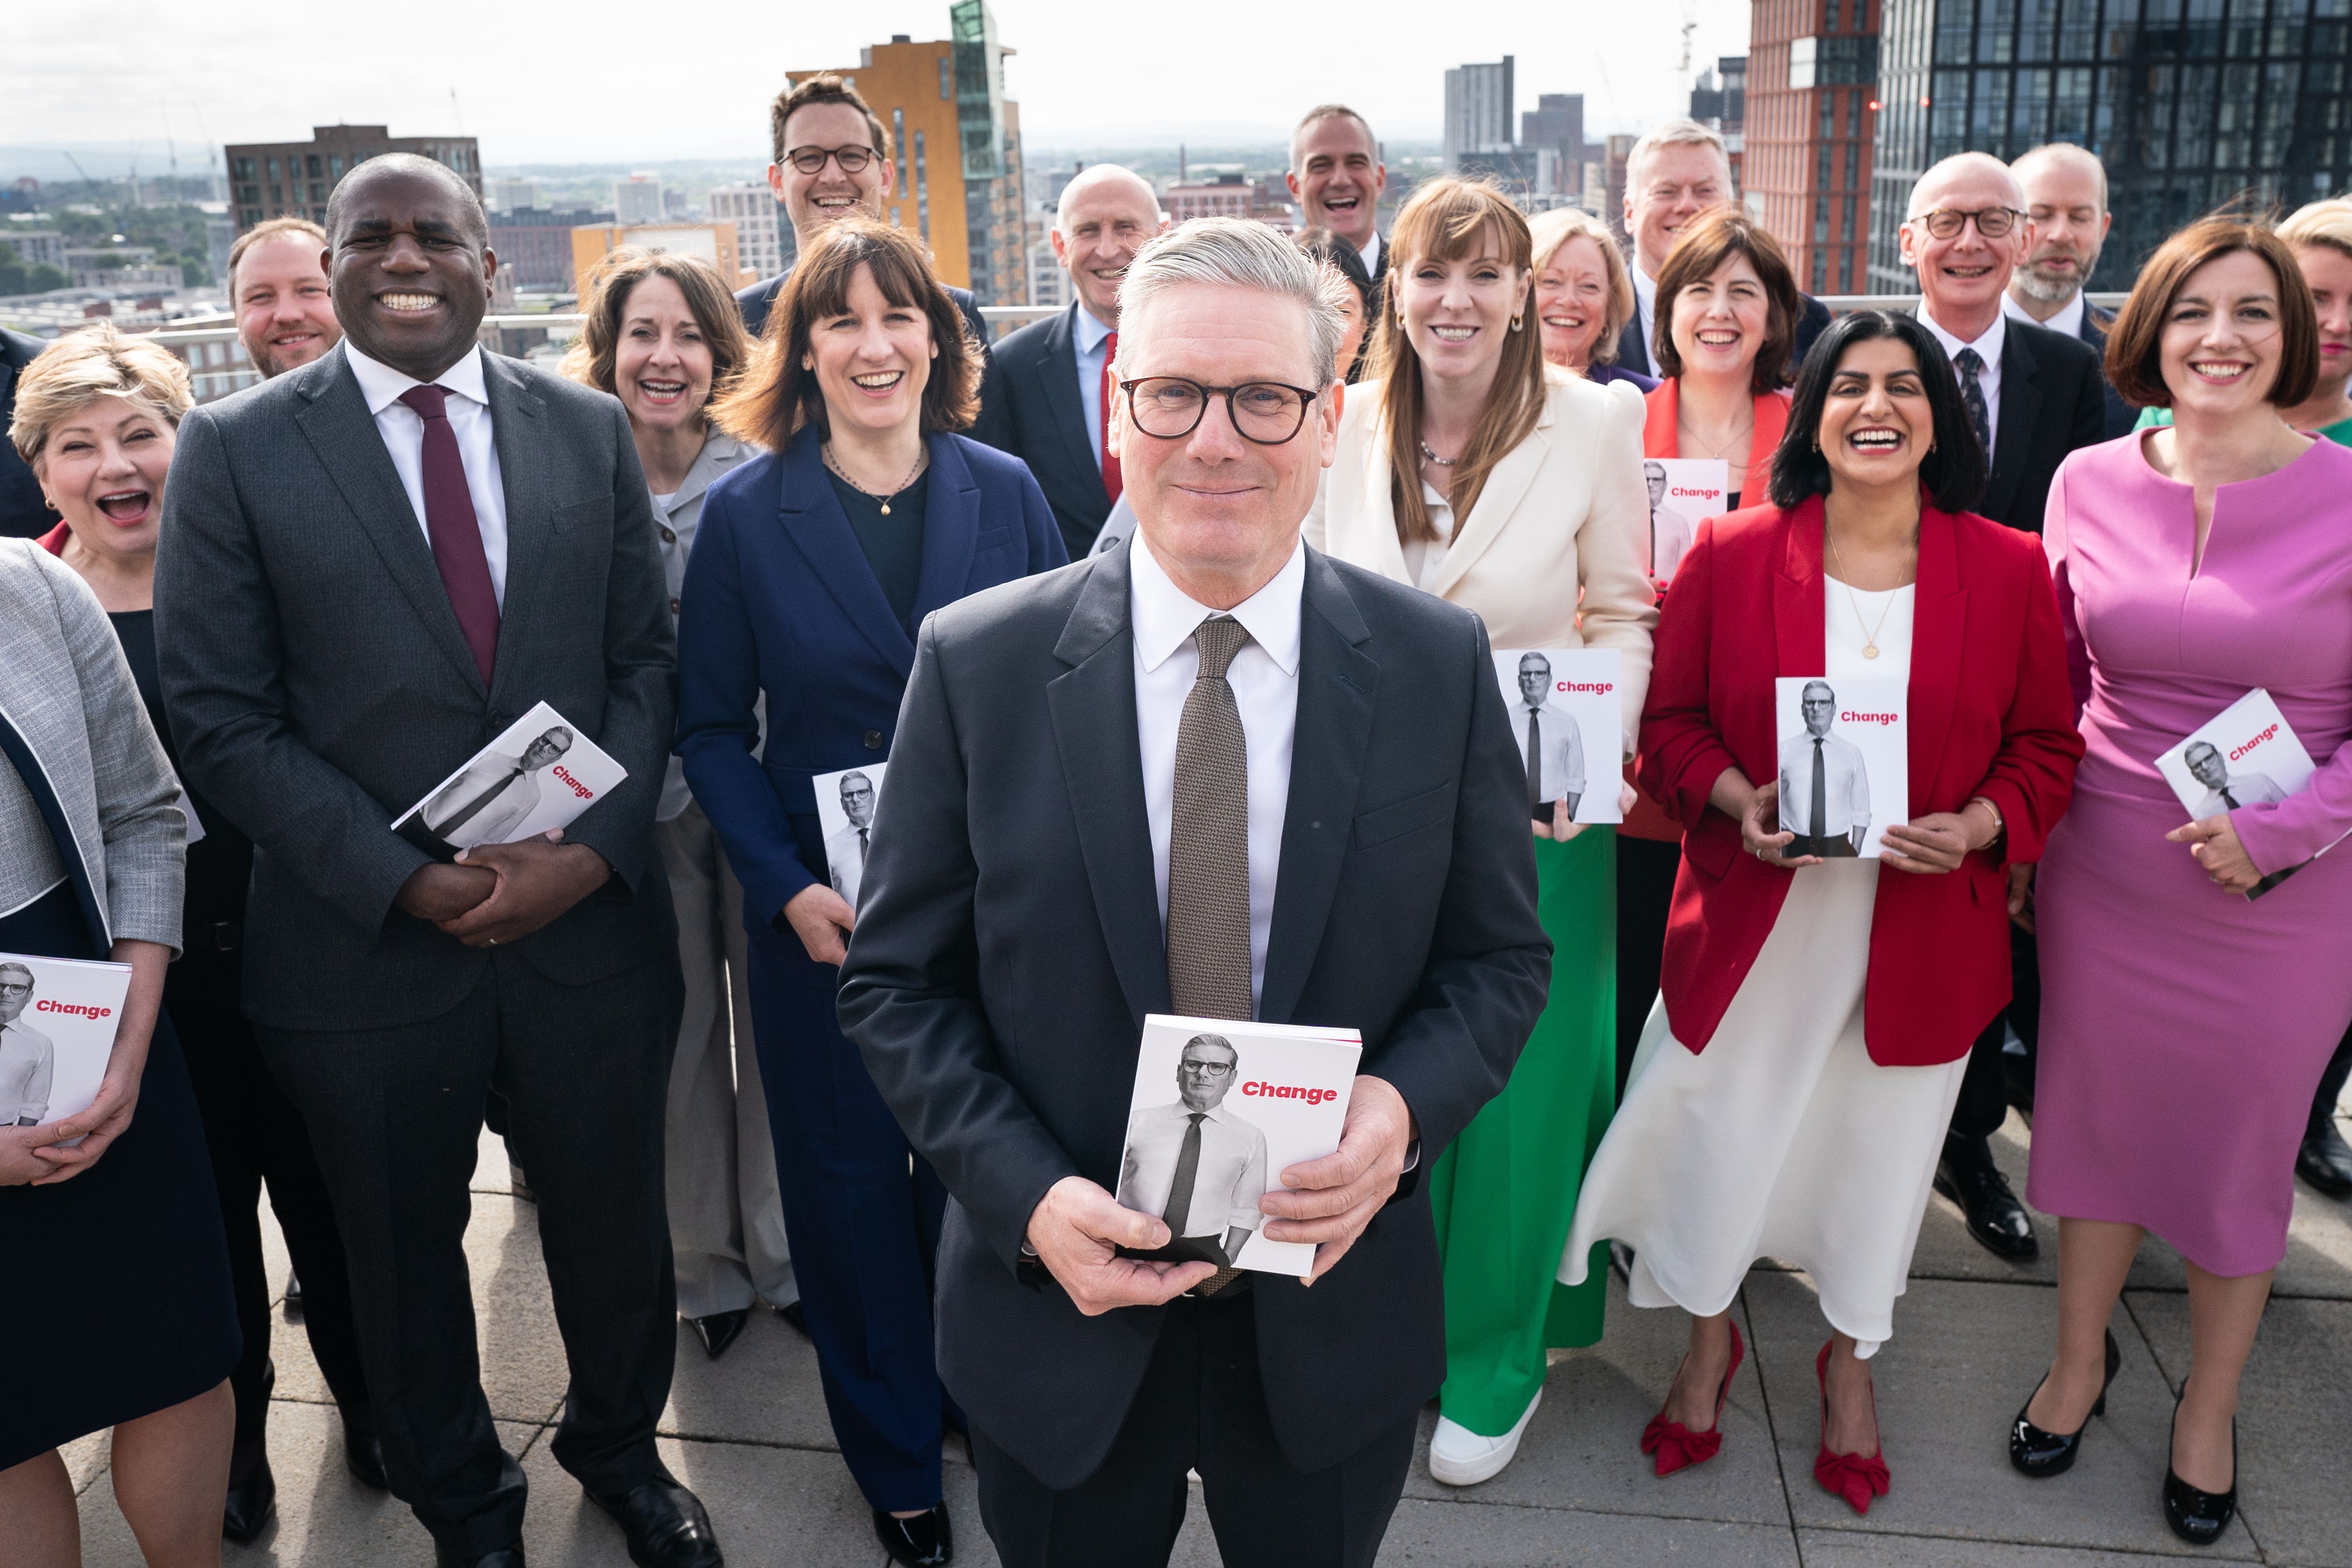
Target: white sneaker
{"type": "Point", "coordinates": [1461, 1457]}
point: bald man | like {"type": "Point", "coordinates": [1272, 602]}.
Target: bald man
{"type": "Point", "coordinates": [1055, 398]}
{"type": "Point", "coordinates": [2066, 223]}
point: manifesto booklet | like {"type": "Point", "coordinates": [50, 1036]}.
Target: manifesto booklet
{"type": "Point", "coordinates": [1845, 772]}
{"type": "Point", "coordinates": [2246, 754]}
{"type": "Point", "coordinates": [1219, 1110]}
{"type": "Point", "coordinates": [57, 1019]}
{"type": "Point", "coordinates": [844, 815]}
{"type": "Point", "coordinates": [1683, 493]}
{"type": "Point", "coordinates": [539, 775]}
{"type": "Point", "coordinates": [1569, 718]}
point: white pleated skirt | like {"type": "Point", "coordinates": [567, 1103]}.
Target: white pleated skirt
{"type": "Point", "coordinates": [1782, 1139]}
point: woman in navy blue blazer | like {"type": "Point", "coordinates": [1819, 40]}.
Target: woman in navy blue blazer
{"type": "Point", "coordinates": [813, 570]}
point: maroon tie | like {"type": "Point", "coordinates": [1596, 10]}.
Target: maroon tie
{"type": "Point", "coordinates": [455, 533]}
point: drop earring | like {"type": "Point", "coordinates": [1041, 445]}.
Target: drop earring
{"type": "Point", "coordinates": [1515, 323]}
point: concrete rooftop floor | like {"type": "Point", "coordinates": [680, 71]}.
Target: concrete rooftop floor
{"type": "Point", "coordinates": [749, 1434]}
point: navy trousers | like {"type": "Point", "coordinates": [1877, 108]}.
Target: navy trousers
{"type": "Point", "coordinates": [862, 1213]}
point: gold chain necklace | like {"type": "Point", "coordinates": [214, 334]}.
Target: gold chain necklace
{"type": "Point", "coordinates": [922, 459]}
{"type": "Point", "coordinates": [1869, 632]}
{"type": "Point", "coordinates": [1746, 429]}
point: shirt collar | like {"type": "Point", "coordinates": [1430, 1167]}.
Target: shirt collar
{"type": "Point", "coordinates": [1372, 255]}
{"type": "Point", "coordinates": [1646, 287]}
{"type": "Point", "coordinates": [1091, 332]}
{"type": "Point", "coordinates": [1164, 615]}
{"type": "Point", "coordinates": [381, 385]}
{"type": "Point", "coordinates": [1987, 347]}
{"type": "Point", "coordinates": [2068, 320]}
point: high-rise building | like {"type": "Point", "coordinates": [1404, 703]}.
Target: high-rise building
{"type": "Point", "coordinates": [1720, 97]}
{"type": "Point", "coordinates": [275, 178]}
{"type": "Point", "coordinates": [2189, 103]}
{"type": "Point", "coordinates": [508, 193]}
{"type": "Point", "coordinates": [757, 217]}
{"type": "Point", "coordinates": [1807, 165]}
{"type": "Point", "coordinates": [637, 200]}
{"type": "Point", "coordinates": [1479, 112]}
{"type": "Point", "coordinates": [955, 139]}
{"type": "Point", "coordinates": [1557, 122]}
{"type": "Point", "coordinates": [534, 244]}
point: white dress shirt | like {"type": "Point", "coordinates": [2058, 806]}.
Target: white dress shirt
{"type": "Point", "coordinates": [402, 429]}
{"type": "Point", "coordinates": [1265, 679]}
{"type": "Point", "coordinates": [1424, 559]}
{"type": "Point", "coordinates": [1560, 752]}
{"type": "Point", "coordinates": [2068, 320]}
{"type": "Point", "coordinates": [1226, 1184]}
{"type": "Point", "coordinates": [1988, 348]}
{"type": "Point", "coordinates": [1372, 255]}
{"type": "Point", "coordinates": [28, 1068]}
{"type": "Point", "coordinates": [1088, 340]}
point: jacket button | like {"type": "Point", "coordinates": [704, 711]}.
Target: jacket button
{"type": "Point", "coordinates": [669, 537]}
{"type": "Point", "coordinates": [673, 607]}
{"type": "Point", "coordinates": [873, 741]}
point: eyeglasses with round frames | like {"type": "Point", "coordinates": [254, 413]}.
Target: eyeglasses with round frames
{"type": "Point", "coordinates": [1168, 408]}
{"type": "Point", "coordinates": [1208, 1068]}
{"type": "Point", "coordinates": [1945, 223]}
{"type": "Point", "coordinates": [811, 160]}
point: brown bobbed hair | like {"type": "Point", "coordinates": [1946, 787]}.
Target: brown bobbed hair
{"type": "Point", "coordinates": [774, 396]}
{"type": "Point", "coordinates": [1707, 242]}
{"type": "Point", "coordinates": [2135, 360]}
{"type": "Point", "coordinates": [590, 360]}
{"type": "Point", "coordinates": [1454, 220]}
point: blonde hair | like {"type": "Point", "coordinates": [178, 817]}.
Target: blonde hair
{"type": "Point", "coordinates": [2328, 223]}
{"type": "Point", "coordinates": [1550, 230]}
{"type": "Point", "coordinates": [82, 366]}
{"type": "Point", "coordinates": [1447, 220]}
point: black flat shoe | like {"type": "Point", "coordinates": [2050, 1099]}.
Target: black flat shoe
{"type": "Point", "coordinates": [363, 1457]}
{"type": "Point", "coordinates": [2040, 1454]}
{"type": "Point", "coordinates": [251, 1501]}
{"type": "Point", "coordinates": [1967, 1177]}
{"type": "Point", "coordinates": [2325, 1160]}
{"type": "Point", "coordinates": [293, 1296]}
{"type": "Point", "coordinates": [792, 1313]}
{"type": "Point", "coordinates": [719, 1330]}
{"type": "Point", "coordinates": [926, 1540]}
{"type": "Point", "coordinates": [2199, 1517]}
{"type": "Point", "coordinates": [665, 1523]}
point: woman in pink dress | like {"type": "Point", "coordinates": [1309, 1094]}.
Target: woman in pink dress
{"type": "Point", "coordinates": [2183, 1025]}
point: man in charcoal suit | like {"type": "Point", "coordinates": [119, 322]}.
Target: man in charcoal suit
{"type": "Point", "coordinates": [1212, 773]}
{"type": "Point", "coordinates": [374, 564]}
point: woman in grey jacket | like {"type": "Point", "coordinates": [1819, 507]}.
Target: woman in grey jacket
{"type": "Point", "coordinates": [119, 1315]}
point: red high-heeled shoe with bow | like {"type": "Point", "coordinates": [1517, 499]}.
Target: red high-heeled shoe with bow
{"type": "Point", "coordinates": [1674, 1446]}
{"type": "Point", "coordinates": [1857, 1478]}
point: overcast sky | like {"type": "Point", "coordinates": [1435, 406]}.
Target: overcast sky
{"type": "Point", "coordinates": [602, 82]}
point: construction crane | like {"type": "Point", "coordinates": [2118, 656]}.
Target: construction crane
{"type": "Point", "coordinates": [1690, 26]}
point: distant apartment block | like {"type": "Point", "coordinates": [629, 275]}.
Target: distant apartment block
{"type": "Point", "coordinates": [534, 244]}
{"type": "Point", "coordinates": [512, 195]}
{"type": "Point", "coordinates": [753, 209]}
{"type": "Point", "coordinates": [1479, 115]}
{"type": "Point", "coordinates": [1226, 193]}
{"type": "Point", "coordinates": [1812, 82]}
{"type": "Point", "coordinates": [637, 200]}
{"type": "Point", "coordinates": [37, 247]}
{"type": "Point", "coordinates": [714, 242]}
{"type": "Point", "coordinates": [293, 179]}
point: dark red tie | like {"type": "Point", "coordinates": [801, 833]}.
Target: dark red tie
{"type": "Point", "coordinates": [455, 533]}
{"type": "Point", "coordinates": [1111, 485]}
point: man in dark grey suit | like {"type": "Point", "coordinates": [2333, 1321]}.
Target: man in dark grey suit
{"type": "Point", "coordinates": [1050, 410]}
{"type": "Point", "coordinates": [1212, 773]}
{"type": "Point", "coordinates": [376, 563]}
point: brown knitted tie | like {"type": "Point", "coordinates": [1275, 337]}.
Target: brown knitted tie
{"type": "Point", "coordinates": [1208, 850]}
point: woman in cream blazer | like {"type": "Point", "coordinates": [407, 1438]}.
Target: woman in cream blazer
{"type": "Point", "coordinates": [1550, 549]}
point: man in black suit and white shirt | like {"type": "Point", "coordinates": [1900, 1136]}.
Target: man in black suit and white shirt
{"type": "Point", "coordinates": [2033, 395]}
{"type": "Point", "coordinates": [1673, 174]}
{"type": "Point", "coordinates": [372, 565]}
{"type": "Point", "coordinates": [2066, 218]}
{"type": "Point", "coordinates": [1052, 397]}
{"type": "Point", "coordinates": [1337, 178]}
{"type": "Point", "coordinates": [1213, 773]}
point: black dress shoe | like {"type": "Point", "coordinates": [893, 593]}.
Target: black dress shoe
{"type": "Point", "coordinates": [293, 1296]}
{"type": "Point", "coordinates": [2325, 1160]}
{"type": "Point", "coordinates": [504, 1557]}
{"type": "Point", "coordinates": [2041, 1454]}
{"type": "Point", "coordinates": [792, 1313]}
{"type": "Point", "coordinates": [252, 1497]}
{"type": "Point", "coordinates": [665, 1523]}
{"type": "Point", "coordinates": [363, 1456]}
{"type": "Point", "coordinates": [2199, 1517]}
{"type": "Point", "coordinates": [926, 1540]}
{"type": "Point", "coordinates": [1967, 1177]}
{"type": "Point", "coordinates": [719, 1330]}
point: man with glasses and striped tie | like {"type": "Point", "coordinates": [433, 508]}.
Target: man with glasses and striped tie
{"type": "Point", "coordinates": [1209, 772]}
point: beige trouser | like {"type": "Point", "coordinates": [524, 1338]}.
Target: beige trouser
{"type": "Point", "coordinates": [726, 1222]}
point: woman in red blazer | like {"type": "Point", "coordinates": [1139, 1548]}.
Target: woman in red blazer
{"type": "Point", "coordinates": [1819, 994]}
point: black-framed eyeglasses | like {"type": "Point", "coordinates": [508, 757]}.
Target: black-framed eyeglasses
{"type": "Point", "coordinates": [1168, 408]}
{"type": "Point", "coordinates": [811, 160]}
{"type": "Point", "coordinates": [1207, 1069]}
{"type": "Point", "coordinates": [1993, 222]}
{"type": "Point", "coordinates": [15, 987]}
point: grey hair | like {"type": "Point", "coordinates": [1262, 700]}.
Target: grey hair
{"type": "Point", "coordinates": [1676, 134]}
{"type": "Point", "coordinates": [1239, 253]}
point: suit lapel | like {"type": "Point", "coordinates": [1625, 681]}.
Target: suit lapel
{"type": "Point", "coordinates": [2021, 409]}
{"type": "Point", "coordinates": [516, 421]}
{"type": "Point", "coordinates": [1093, 711]}
{"type": "Point", "coordinates": [1338, 684]}
{"type": "Point", "coordinates": [951, 529]}
{"type": "Point", "coordinates": [1797, 595]}
{"type": "Point", "coordinates": [351, 450]}
{"type": "Point", "coordinates": [1939, 617]}
{"type": "Point", "coordinates": [1506, 486]}
{"type": "Point", "coordinates": [820, 530]}
{"type": "Point", "coordinates": [1057, 372]}
{"type": "Point", "coordinates": [1632, 353]}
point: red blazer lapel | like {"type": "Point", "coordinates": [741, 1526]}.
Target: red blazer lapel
{"type": "Point", "coordinates": [1771, 424]}
{"type": "Point", "coordinates": [1940, 618]}
{"type": "Point", "coordinates": [1797, 607]}
{"type": "Point", "coordinates": [1659, 407]}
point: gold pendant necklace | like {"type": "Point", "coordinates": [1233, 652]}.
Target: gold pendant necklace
{"type": "Point", "coordinates": [921, 458]}
{"type": "Point", "coordinates": [1869, 632]}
